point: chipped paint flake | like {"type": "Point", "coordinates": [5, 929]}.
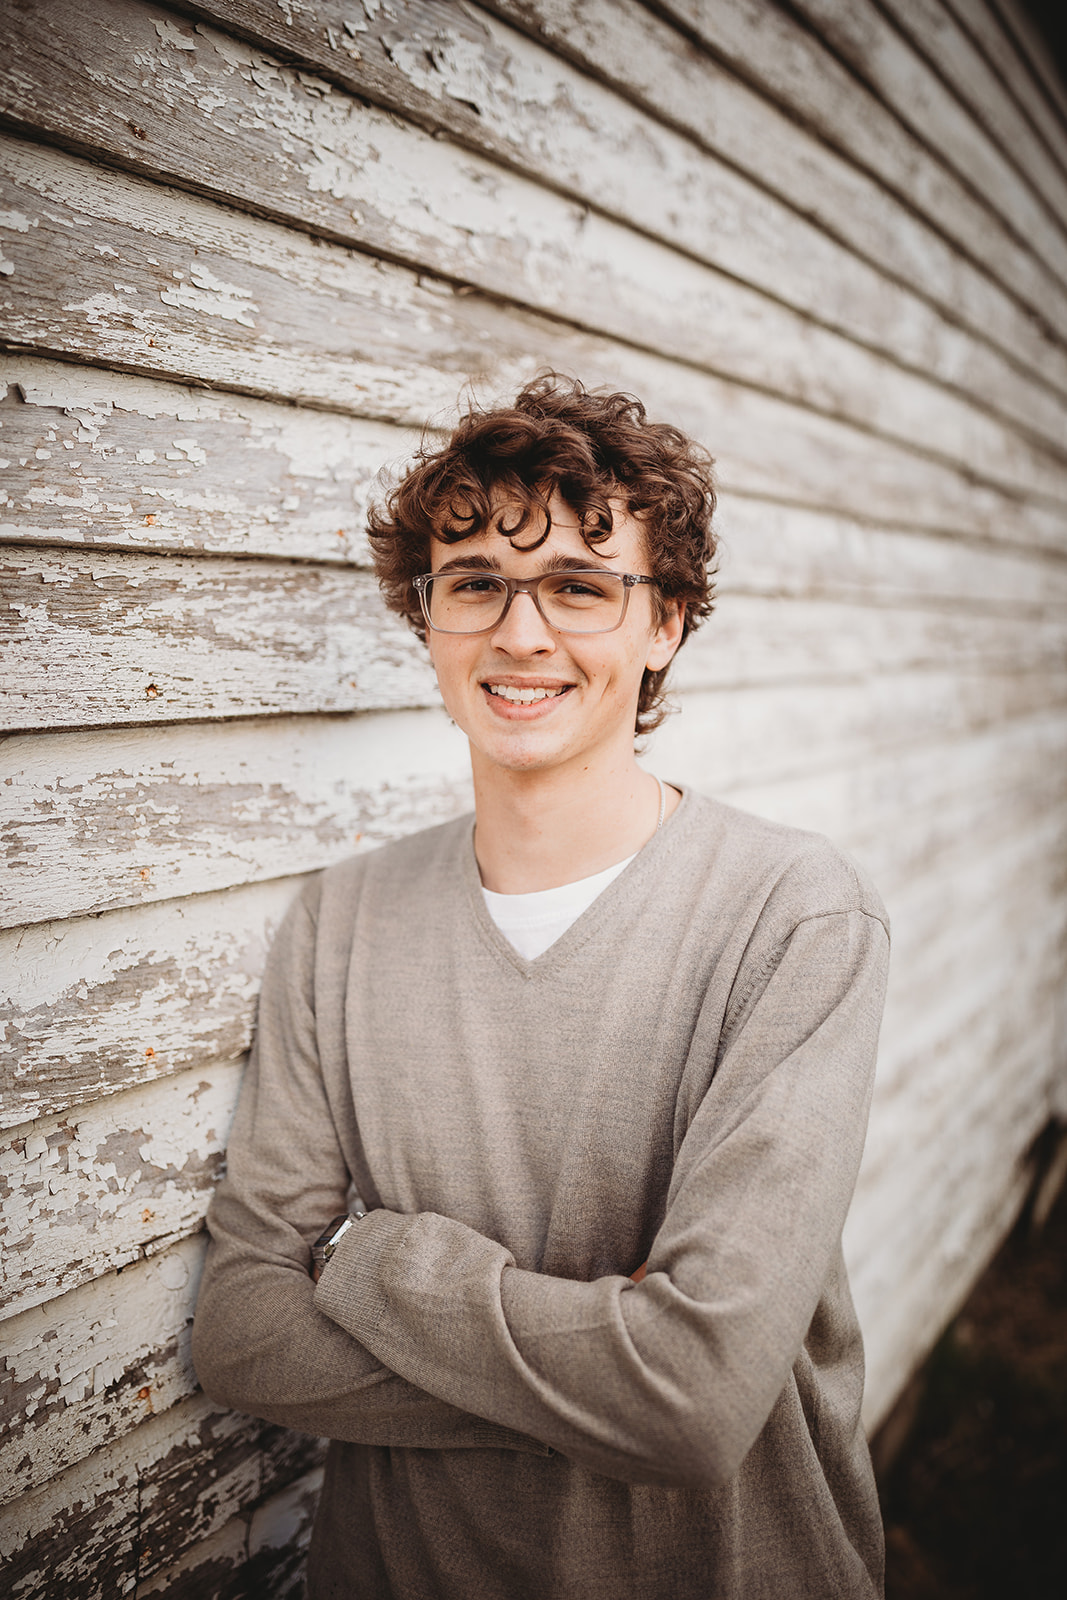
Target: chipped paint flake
{"type": "Point", "coordinates": [214, 296]}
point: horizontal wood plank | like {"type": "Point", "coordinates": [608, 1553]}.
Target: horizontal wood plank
{"type": "Point", "coordinates": [229, 804]}
{"type": "Point", "coordinates": [200, 639]}
{"type": "Point", "coordinates": [102, 458]}
{"type": "Point", "coordinates": [398, 191]}
{"type": "Point", "coordinates": [649, 61]}
{"type": "Point", "coordinates": [218, 806]}
{"type": "Point", "coordinates": [983, 25]}
{"type": "Point", "coordinates": [121, 1180]}
{"type": "Point", "coordinates": [786, 550]}
{"type": "Point", "coordinates": [103, 638]}
{"type": "Point", "coordinates": [938, 37]}
{"type": "Point", "coordinates": [118, 1514]}
{"type": "Point", "coordinates": [919, 96]}
{"type": "Point", "coordinates": [87, 1368]}
{"type": "Point", "coordinates": [92, 1005]}
{"type": "Point", "coordinates": [95, 1005]}
{"type": "Point", "coordinates": [234, 475]}
{"type": "Point", "coordinates": [110, 268]}
{"type": "Point", "coordinates": [917, 1242]}
{"type": "Point", "coordinates": [783, 58]}
{"type": "Point", "coordinates": [259, 1555]}
{"type": "Point", "coordinates": [1032, 46]}
{"type": "Point", "coordinates": [904, 812]}
{"type": "Point", "coordinates": [732, 741]}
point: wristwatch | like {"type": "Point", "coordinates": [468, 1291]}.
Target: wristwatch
{"type": "Point", "coordinates": [331, 1237]}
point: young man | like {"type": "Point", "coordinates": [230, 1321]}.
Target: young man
{"type": "Point", "coordinates": [598, 1069]}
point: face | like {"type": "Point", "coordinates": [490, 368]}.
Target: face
{"type": "Point", "coordinates": [591, 681]}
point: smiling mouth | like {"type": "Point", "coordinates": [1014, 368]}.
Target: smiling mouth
{"type": "Point", "coordinates": [524, 697]}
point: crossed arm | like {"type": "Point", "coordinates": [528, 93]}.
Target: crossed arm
{"type": "Point", "coordinates": [424, 1332]}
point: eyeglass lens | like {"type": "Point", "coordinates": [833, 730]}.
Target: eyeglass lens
{"type": "Point", "coordinates": [582, 602]}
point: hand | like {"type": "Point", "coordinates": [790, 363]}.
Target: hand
{"type": "Point", "coordinates": [635, 1277]}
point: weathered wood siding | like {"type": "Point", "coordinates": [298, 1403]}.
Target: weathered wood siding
{"type": "Point", "coordinates": [247, 252]}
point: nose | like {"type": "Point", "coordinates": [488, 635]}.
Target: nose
{"type": "Point", "coordinates": [522, 630]}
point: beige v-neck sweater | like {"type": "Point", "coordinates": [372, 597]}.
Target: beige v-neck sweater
{"type": "Point", "coordinates": [683, 1077]}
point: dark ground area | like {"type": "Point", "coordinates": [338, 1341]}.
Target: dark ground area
{"type": "Point", "coordinates": [975, 1501]}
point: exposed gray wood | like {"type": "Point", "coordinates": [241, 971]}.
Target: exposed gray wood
{"type": "Point", "coordinates": [107, 638]}
{"type": "Point", "coordinates": [90, 1366]}
{"type": "Point", "coordinates": [780, 56]}
{"type": "Point", "coordinates": [652, 63]}
{"type": "Point", "coordinates": [75, 1537]}
{"type": "Point", "coordinates": [259, 1555]}
{"type": "Point", "coordinates": [878, 53]}
{"type": "Point", "coordinates": [771, 50]}
{"type": "Point", "coordinates": [315, 467]}
{"type": "Point", "coordinates": [102, 458]}
{"type": "Point", "coordinates": [86, 1193]}
{"type": "Point", "coordinates": [148, 280]}
{"type": "Point", "coordinates": [219, 805]}
{"type": "Point", "coordinates": [85, 1535]}
{"type": "Point", "coordinates": [987, 31]}
{"type": "Point", "coordinates": [92, 1005]}
{"type": "Point", "coordinates": [265, 136]}
{"type": "Point", "coordinates": [227, 1465]}
{"type": "Point", "coordinates": [199, 639]}
{"type": "Point", "coordinates": [934, 31]}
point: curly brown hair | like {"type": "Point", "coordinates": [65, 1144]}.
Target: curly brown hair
{"type": "Point", "coordinates": [590, 448]}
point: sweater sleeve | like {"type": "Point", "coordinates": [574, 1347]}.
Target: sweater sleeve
{"type": "Point", "coordinates": [260, 1344]}
{"type": "Point", "coordinates": [669, 1381]}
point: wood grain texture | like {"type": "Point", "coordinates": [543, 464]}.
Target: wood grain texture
{"type": "Point", "coordinates": [920, 98]}
{"type": "Point", "coordinates": [647, 60]}
{"type": "Point", "coordinates": [780, 56]}
{"type": "Point", "coordinates": [104, 459]}
{"type": "Point", "coordinates": [260, 135]}
{"type": "Point", "coordinates": [243, 476]}
{"type": "Point", "coordinates": [220, 806]}
{"type": "Point", "coordinates": [113, 269]}
{"type": "Point", "coordinates": [102, 638]}
{"type": "Point", "coordinates": [136, 1505]}
{"type": "Point", "coordinates": [84, 1194]}
{"type": "Point", "coordinates": [92, 1005]}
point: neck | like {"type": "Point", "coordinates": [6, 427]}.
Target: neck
{"type": "Point", "coordinates": [537, 830]}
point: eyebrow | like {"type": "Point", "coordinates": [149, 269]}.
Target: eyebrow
{"type": "Point", "coordinates": [547, 564]}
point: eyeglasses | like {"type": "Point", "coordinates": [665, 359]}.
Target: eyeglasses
{"type": "Point", "coordinates": [592, 601]}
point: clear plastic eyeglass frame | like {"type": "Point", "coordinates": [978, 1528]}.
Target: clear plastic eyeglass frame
{"type": "Point", "coordinates": [510, 587]}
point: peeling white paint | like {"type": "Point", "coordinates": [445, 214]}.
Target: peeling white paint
{"type": "Point", "coordinates": [213, 295]}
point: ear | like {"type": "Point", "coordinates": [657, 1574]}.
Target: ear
{"type": "Point", "coordinates": [667, 637]}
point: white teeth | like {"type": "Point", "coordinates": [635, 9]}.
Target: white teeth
{"type": "Point", "coordinates": [522, 697]}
